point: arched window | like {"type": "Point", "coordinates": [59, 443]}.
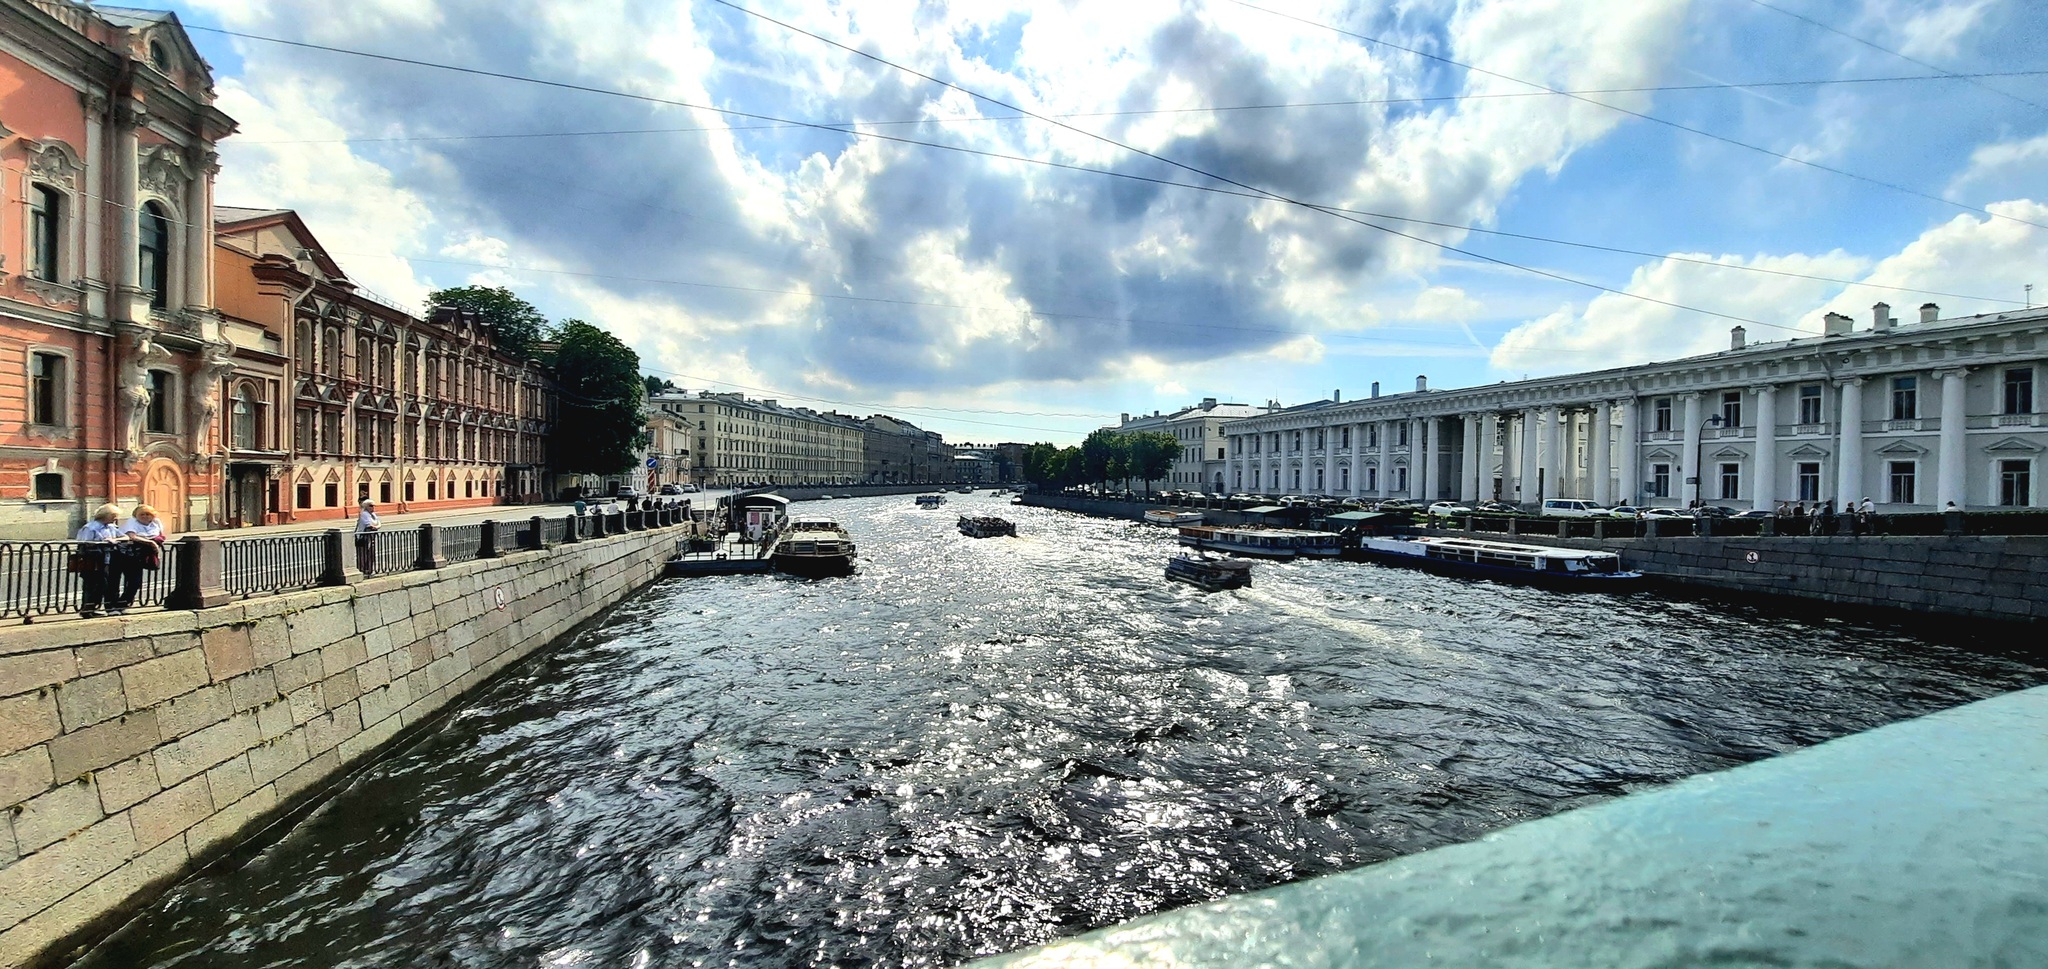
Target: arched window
{"type": "Point", "coordinates": [46, 220]}
{"type": "Point", "coordinates": [153, 255]}
{"type": "Point", "coordinates": [330, 352]}
{"type": "Point", "coordinates": [243, 412]}
{"type": "Point", "coordinates": [307, 348]}
{"type": "Point", "coordinates": [366, 365]}
{"type": "Point", "coordinates": [385, 377]}
{"type": "Point", "coordinates": [412, 370]}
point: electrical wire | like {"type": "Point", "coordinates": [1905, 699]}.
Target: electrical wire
{"type": "Point", "coordinates": [1969, 79]}
{"type": "Point", "coordinates": [839, 129]}
{"type": "Point", "coordinates": [1633, 114]}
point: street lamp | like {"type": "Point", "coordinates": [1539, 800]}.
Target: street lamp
{"type": "Point", "coordinates": [1699, 470]}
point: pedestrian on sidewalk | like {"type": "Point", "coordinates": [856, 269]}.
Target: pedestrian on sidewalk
{"type": "Point", "coordinates": [366, 538]}
{"type": "Point", "coordinates": [1867, 511]}
{"type": "Point", "coordinates": [93, 560]}
{"type": "Point", "coordinates": [139, 549]}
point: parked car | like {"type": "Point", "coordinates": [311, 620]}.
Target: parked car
{"type": "Point", "coordinates": [1754, 513]}
{"type": "Point", "coordinates": [1665, 513]}
{"type": "Point", "coordinates": [1495, 508]}
{"type": "Point", "coordinates": [669, 489]}
{"type": "Point", "coordinates": [1399, 504]}
{"type": "Point", "coordinates": [1572, 508]}
{"type": "Point", "coordinates": [1625, 511]}
{"type": "Point", "coordinates": [1447, 508]}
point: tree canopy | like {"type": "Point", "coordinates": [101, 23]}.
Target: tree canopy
{"type": "Point", "coordinates": [658, 385]}
{"type": "Point", "coordinates": [601, 425]}
{"type": "Point", "coordinates": [518, 326]}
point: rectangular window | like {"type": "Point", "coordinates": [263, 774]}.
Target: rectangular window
{"type": "Point", "coordinates": [1660, 481]}
{"type": "Point", "coordinates": [333, 494]}
{"type": "Point", "coordinates": [1319, 481]}
{"type": "Point", "coordinates": [1731, 481]}
{"type": "Point", "coordinates": [1297, 479]}
{"type": "Point", "coordinates": [2019, 390]}
{"type": "Point", "coordinates": [1905, 398]}
{"type": "Point", "coordinates": [1731, 408]}
{"type": "Point", "coordinates": [1219, 454]}
{"type": "Point", "coordinates": [2015, 483]}
{"type": "Point", "coordinates": [1372, 479]}
{"type": "Point", "coordinates": [384, 492]}
{"type": "Point", "coordinates": [1809, 480]}
{"type": "Point", "coordinates": [1401, 435]}
{"type": "Point", "coordinates": [305, 495]}
{"type": "Point", "coordinates": [1660, 412]}
{"type": "Point", "coordinates": [1372, 435]}
{"type": "Point", "coordinates": [46, 210]}
{"type": "Point", "coordinates": [46, 393]}
{"type": "Point", "coordinates": [1343, 479]}
{"type": "Point", "coordinates": [1809, 404]}
{"type": "Point", "coordinates": [408, 491]}
{"type": "Point", "coordinates": [1901, 475]}
{"type": "Point", "coordinates": [49, 486]}
{"type": "Point", "coordinates": [1344, 437]}
{"type": "Point", "coordinates": [159, 414]}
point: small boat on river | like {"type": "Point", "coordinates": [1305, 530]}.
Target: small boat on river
{"type": "Point", "coordinates": [1475, 558]}
{"type": "Point", "coordinates": [930, 501]}
{"type": "Point", "coordinates": [986, 526]}
{"type": "Point", "coordinates": [1167, 516]}
{"type": "Point", "coordinates": [813, 547]}
{"type": "Point", "coordinates": [1269, 543]}
{"type": "Point", "coordinates": [1209, 574]}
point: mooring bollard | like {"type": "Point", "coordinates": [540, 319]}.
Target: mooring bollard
{"type": "Point", "coordinates": [487, 540]}
{"type": "Point", "coordinates": [540, 534]}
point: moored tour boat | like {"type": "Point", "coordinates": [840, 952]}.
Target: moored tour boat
{"type": "Point", "coordinates": [1209, 575]}
{"type": "Point", "coordinates": [1476, 558]}
{"type": "Point", "coordinates": [930, 501]}
{"type": "Point", "coordinates": [1164, 516]}
{"type": "Point", "coordinates": [813, 547]}
{"type": "Point", "coordinates": [1270, 543]}
{"type": "Point", "coordinates": [986, 526]}
{"type": "Point", "coordinates": [1325, 545]}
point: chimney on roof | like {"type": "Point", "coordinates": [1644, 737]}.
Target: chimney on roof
{"type": "Point", "coordinates": [1929, 312]}
{"type": "Point", "coordinates": [1738, 338]}
{"type": "Point", "coordinates": [1881, 317]}
{"type": "Point", "coordinates": [1375, 388]}
{"type": "Point", "coordinates": [1835, 324]}
{"type": "Point", "coordinates": [1337, 396]}
{"type": "Point", "coordinates": [1124, 419]}
{"type": "Point", "coordinates": [1421, 382]}
{"type": "Point", "coordinates": [1208, 403]}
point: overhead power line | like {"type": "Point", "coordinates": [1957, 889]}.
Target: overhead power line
{"type": "Point", "coordinates": [1970, 79]}
{"type": "Point", "coordinates": [1633, 114]}
{"type": "Point", "coordinates": [1201, 109]}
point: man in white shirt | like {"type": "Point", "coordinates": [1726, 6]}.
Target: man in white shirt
{"type": "Point", "coordinates": [366, 538]}
{"type": "Point", "coordinates": [141, 549]}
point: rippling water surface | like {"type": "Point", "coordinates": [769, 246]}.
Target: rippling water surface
{"type": "Point", "coordinates": [973, 746]}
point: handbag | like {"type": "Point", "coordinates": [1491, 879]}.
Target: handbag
{"type": "Point", "coordinates": [77, 563]}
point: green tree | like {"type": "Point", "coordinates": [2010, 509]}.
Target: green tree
{"type": "Point", "coordinates": [519, 327]}
{"type": "Point", "coordinates": [601, 424]}
{"type": "Point", "coordinates": [1152, 454]}
{"type": "Point", "coordinates": [1042, 464]}
{"type": "Point", "coordinates": [1101, 456]}
{"type": "Point", "coordinates": [658, 385]}
{"type": "Point", "coordinates": [1071, 466]}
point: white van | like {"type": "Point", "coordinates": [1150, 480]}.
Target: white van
{"type": "Point", "coordinates": [1572, 508]}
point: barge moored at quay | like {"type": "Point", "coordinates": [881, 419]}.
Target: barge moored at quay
{"type": "Point", "coordinates": [814, 547]}
{"type": "Point", "coordinates": [1476, 558]}
{"type": "Point", "coordinates": [1271, 543]}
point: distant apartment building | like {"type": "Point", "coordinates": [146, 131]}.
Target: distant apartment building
{"type": "Point", "coordinates": [113, 350]}
{"type": "Point", "coordinates": [1200, 428]}
{"type": "Point", "coordinates": [1913, 415]}
{"type": "Point", "coordinates": [333, 395]}
{"type": "Point", "coordinates": [896, 451]}
{"type": "Point", "coordinates": [666, 460]}
{"type": "Point", "coordinates": [738, 441]}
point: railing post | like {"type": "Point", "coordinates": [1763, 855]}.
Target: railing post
{"type": "Point", "coordinates": [487, 540]}
{"type": "Point", "coordinates": [1514, 526]}
{"type": "Point", "coordinates": [430, 548]}
{"type": "Point", "coordinates": [1952, 524]}
{"type": "Point", "coordinates": [334, 567]}
{"type": "Point", "coordinates": [198, 582]}
{"type": "Point", "coordinates": [569, 536]}
{"type": "Point", "coordinates": [540, 535]}
{"type": "Point", "coordinates": [1599, 529]}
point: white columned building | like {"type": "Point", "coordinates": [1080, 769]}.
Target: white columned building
{"type": "Point", "coordinates": [1820, 418]}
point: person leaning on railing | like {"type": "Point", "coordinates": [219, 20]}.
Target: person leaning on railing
{"type": "Point", "coordinates": [366, 538]}
{"type": "Point", "coordinates": [93, 560]}
{"type": "Point", "coordinates": [139, 549]}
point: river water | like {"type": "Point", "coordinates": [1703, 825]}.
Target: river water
{"type": "Point", "coordinates": [973, 746]}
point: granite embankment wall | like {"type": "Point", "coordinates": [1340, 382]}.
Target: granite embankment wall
{"type": "Point", "coordinates": [1133, 510]}
{"type": "Point", "coordinates": [133, 749]}
{"type": "Point", "coordinates": [858, 491]}
{"type": "Point", "coordinates": [1979, 576]}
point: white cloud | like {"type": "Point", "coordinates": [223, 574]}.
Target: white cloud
{"type": "Point", "coordinates": [2005, 163]}
{"type": "Point", "coordinates": [1936, 33]}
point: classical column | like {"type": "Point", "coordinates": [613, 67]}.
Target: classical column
{"type": "Point", "coordinates": [1358, 460]}
{"type": "Point", "coordinates": [1691, 456]}
{"type": "Point", "coordinates": [1556, 463]}
{"type": "Point", "coordinates": [199, 232]}
{"type": "Point", "coordinates": [1386, 472]}
{"type": "Point", "coordinates": [1489, 434]}
{"type": "Point", "coordinates": [1953, 456]}
{"type": "Point", "coordinates": [1468, 491]}
{"type": "Point", "coordinates": [1763, 486]}
{"type": "Point", "coordinates": [128, 122]}
{"type": "Point", "coordinates": [1849, 463]}
{"type": "Point", "coordinates": [1631, 452]}
{"type": "Point", "coordinates": [1528, 495]}
{"type": "Point", "coordinates": [93, 182]}
{"type": "Point", "coordinates": [1603, 453]}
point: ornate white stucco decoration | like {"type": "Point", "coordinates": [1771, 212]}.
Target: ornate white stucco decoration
{"type": "Point", "coordinates": [140, 352]}
{"type": "Point", "coordinates": [215, 363]}
{"type": "Point", "coordinates": [55, 294]}
{"type": "Point", "coordinates": [161, 169]}
{"type": "Point", "coordinates": [53, 163]}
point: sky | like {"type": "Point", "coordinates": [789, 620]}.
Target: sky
{"type": "Point", "coordinates": [1014, 220]}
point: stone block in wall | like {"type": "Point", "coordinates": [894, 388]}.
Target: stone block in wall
{"type": "Point", "coordinates": [274, 720]}
{"type": "Point", "coordinates": [340, 688]}
{"type": "Point", "coordinates": [321, 626]}
{"type": "Point", "coordinates": [24, 774]}
{"type": "Point", "coordinates": [305, 703]}
{"type": "Point", "coordinates": [252, 690]}
{"type": "Point", "coordinates": [102, 657]}
{"type": "Point", "coordinates": [170, 644]}
{"type": "Point", "coordinates": [194, 711]}
{"type": "Point", "coordinates": [231, 780]}
{"type": "Point", "coordinates": [171, 813]}
{"type": "Point", "coordinates": [101, 744]}
{"type": "Point", "coordinates": [295, 673]}
{"type": "Point", "coordinates": [154, 681]}
{"type": "Point", "coordinates": [229, 651]}
{"type": "Point", "coordinates": [324, 733]}
{"type": "Point", "coordinates": [78, 908]}
{"type": "Point", "coordinates": [91, 699]}
{"type": "Point", "coordinates": [26, 672]}
{"type": "Point", "coordinates": [40, 880]}
{"type": "Point", "coordinates": [127, 783]}
{"type": "Point", "coordinates": [373, 674]}
{"type": "Point", "coordinates": [270, 641]}
{"type": "Point", "coordinates": [183, 758]}
{"type": "Point", "coordinates": [229, 821]}
{"type": "Point", "coordinates": [343, 656]}
{"type": "Point", "coordinates": [56, 814]}
{"type": "Point", "coordinates": [274, 759]}
{"type": "Point", "coordinates": [28, 719]}
{"type": "Point", "coordinates": [371, 737]}
{"type": "Point", "coordinates": [315, 770]}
